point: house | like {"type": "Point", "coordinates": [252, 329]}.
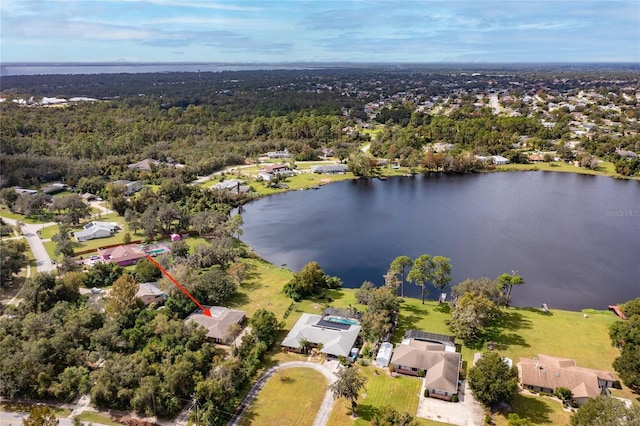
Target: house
{"type": "Point", "coordinates": [232, 185]}
{"type": "Point", "coordinates": [270, 171]}
{"type": "Point", "coordinates": [499, 160]}
{"type": "Point", "coordinates": [547, 373]}
{"type": "Point", "coordinates": [122, 255]}
{"type": "Point", "coordinates": [94, 230]}
{"type": "Point", "coordinates": [330, 169]}
{"type": "Point", "coordinates": [131, 187]}
{"type": "Point", "coordinates": [439, 364]}
{"type": "Point", "coordinates": [21, 191]}
{"type": "Point", "coordinates": [150, 293]}
{"type": "Point", "coordinates": [336, 335]}
{"type": "Point", "coordinates": [54, 188]}
{"type": "Point", "coordinates": [384, 354]}
{"type": "Point", "coordinates": [145, 165]}
{"type": "Point", "coordinates": [219, 324]}
{"type": "Point", "coordinates": [87, 196]}
{"type": "Point", "coordinates": [279, 154]}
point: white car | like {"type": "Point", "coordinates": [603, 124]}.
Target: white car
{"type": "Point", "coordinates": [96, 290]}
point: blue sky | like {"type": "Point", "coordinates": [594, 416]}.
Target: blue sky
{"type": "Point", "coordinates": [319, 31]}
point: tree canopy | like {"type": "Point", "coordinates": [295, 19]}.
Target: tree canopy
{"type": "Point", "coordinates": [492, 381]}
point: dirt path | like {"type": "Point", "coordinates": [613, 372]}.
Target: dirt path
{"type": "Point", "coordinates": [327, 403]}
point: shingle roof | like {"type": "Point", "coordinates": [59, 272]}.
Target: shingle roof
{"type": "Point", "coordinates": [218, 323]}
{"type": "Point", "coordinates": [442, 366]}
{"type": "Point", "coordinates": [554, 372]}
{"type": "Point", "coordinates": [335, 341]}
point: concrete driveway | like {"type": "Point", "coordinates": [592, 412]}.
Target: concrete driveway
{"type": "Point", "coordinates": [464, 413]}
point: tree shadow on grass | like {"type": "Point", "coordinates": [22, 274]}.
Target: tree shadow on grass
{"type": "Point", "coordinates": [366, 412]}
{"type": "Point", "coordinates": [238, 299]}
{"type": "Point", "coordinates": [536, 409]}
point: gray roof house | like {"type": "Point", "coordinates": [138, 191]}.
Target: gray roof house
{"type": "Point", "coordinates": [336, 335]}
{"type": "Point", "coordinates": [331, 169]}
{"type": "Point", "coordinates": [131, 187]}
{"type": "Point", "coordinates": [232, 185]}
{"type": "Point", "coordinates": [95, 230]}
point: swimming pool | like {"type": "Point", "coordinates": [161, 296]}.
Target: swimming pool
{"type": "Point", "coordinates": [340, 320]}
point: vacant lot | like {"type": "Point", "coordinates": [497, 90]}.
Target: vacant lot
{"type": "Point", "coordinates": [290, 397]}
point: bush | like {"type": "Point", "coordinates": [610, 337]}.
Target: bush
{"type": "Point", "coordinates": [454, 398]}
{"type": "Point", "coordinates": [421, 373]}
{"type": "Point", "coordinates": [426, 393]}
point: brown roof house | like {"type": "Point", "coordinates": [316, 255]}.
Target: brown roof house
{"type": "Point", "coordinates": [439, 367]}
{"type": "Point", "coordinates": [437, 362]}
{"type": "Point", "coordinates": [219, 324]}
{"type": "Point", "coordinates": [150, 293]}
{"type": "Point", "coordinates": [547, 373]}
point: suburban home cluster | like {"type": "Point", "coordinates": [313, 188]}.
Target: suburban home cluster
{"type": "Point", "coordinates": [335, 333]}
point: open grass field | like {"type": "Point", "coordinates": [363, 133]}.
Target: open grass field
{"type": "Point", "coordinates": [90, 417]}
{"type": "Point", "coordinates": [605, 168]}
{"type": "Point", "coordinates": [273, 405]}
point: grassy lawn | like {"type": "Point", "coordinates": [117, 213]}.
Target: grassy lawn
{"type": "Point", "coordinates": [92, 417]}
{"type": "Point", "coordinates": [5, 212]}
{"type": "Point", "coordinates": [24, 408]}
{"type": "Point", "coordinates": [399, 392]}
{"type": "Point", "coordinates": [273, 405]}
{"type": "Point", "coordinates": [605, 168]}
{"type": "Point", "coordinates": [539, 409]}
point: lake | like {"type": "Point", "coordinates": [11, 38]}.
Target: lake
{"type": "Point", "coordinates": [575, 239]}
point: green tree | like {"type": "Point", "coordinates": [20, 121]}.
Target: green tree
{"type": "Point", "coordinates": [41, 415]}
{"type": "Point", "coordinates": [492, 381]}
{"type": "Point", "coordinates": [506, 283]}
{"type": "Point", "coordinates": [264, 325]}
{"type": "Point", "coordinates": [71, 206]}
{"type": "Point", "coordinates": [12, 258]}
{"type": "Point", "coordinates": [102, 274]}
{"type": "Point", "coordinates": [147, 271]}
{"type": "Point", "coordinates": [421, 273]}
{"type": "Point", "coordinates": [389, 416]}
{"type": "Point", "coordinates": [122, 296]}
{"type": "Point", "coordinates": [516, 420]}
{"type": "Point", "coordinates": [310, 280]}
{"type": "Point", "coordinates": [484, 285]}
{"type": "Point", "coordinates": [441, 273]}
{"type": "Point", "coordinates": [382, 313]}
{"type": "Point", "coordinates": [399, 266]}
{"type": "Point", "coordinates": [628, 366]}
{"type": "Point", "coordinates": [471, 314]}
{"type": "Point", "coordinates": [361, 164]}
{"type": "Point", "coordinates": [605, 411]}
{"type": "Point", "coordinates": [348, 386]}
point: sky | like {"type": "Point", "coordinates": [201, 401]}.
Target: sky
{"type": "Point", "coordinates": [272, 31]}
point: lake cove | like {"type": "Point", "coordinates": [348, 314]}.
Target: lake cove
{"type": "Point", "coordinates": [574, 238]}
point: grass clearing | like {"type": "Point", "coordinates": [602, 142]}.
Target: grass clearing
{"type": "Point", "coordinates": [539, 409]}
{"type": "Point", "coordinates": [605, 168]}
{"type": "Point", "coordinates": [399, 392]}
{"type": "Point", "coordinates": [17, 407]}
{"type": "Point", "coordinates": [99, 418]}
{"type": "Point", "coordinates": [273, 405]}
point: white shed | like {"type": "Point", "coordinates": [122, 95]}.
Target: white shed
{"type": "Point", "coordinates": [384, 354]}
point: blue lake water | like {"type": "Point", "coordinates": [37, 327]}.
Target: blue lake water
{"type": "Point", "coordinates": [575, 239]}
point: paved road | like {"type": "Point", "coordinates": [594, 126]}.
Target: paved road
{"type": "Point", "coordinates": [325, 408]}
{"type": "Point", "coordinates": [30, 232]}
{"type": "Point", "coordinates": [15, 419]}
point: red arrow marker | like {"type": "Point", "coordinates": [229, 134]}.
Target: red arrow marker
{"type": "Point", "coordinates": [205, 311]}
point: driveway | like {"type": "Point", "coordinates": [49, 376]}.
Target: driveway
{"type": "Point", "coordinates": [466, 412]}
{"type": "Point", "coordinates": [327, 403]}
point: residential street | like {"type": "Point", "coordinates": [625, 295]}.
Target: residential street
{"type": "Point", "coordinates": [30, 232]}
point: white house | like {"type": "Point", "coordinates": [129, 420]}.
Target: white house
{"type": "Point", "coordinates": [94, 230]}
